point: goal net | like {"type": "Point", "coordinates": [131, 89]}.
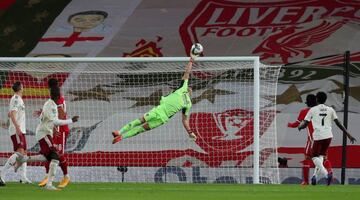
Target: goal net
{"type": "Point", "coordinates": [231, 110]}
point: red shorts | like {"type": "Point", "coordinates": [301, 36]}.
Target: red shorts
{"type": "Point", "coordinates": [19, 141]}
{"type": "Point", "coordinates": [308, 149]}
{"type": "Point", "coordinates": [47, 146]}
{"type": "Point", "coordinates": [60, 141]}
{"type": "Point", "coordinates": [320, 147]}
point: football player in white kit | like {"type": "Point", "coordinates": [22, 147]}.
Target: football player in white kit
{"type": "Point", "coordinates": [17, 131]}
{"type": "Point", "coordinates": [322, 117]}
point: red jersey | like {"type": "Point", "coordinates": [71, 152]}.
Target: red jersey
{"type": "Point", "coordinates": [300, 118]}
{"type": "Point", "coordinates": [61, 103]}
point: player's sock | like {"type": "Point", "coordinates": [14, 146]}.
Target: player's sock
{"type": "Point", "coordinates": [319, 164]}
{"type": "Point", "coordinates": [134, 131]}
{"type": "Point", "coordinates": [328, 175]}
{"type": "Point", "coordinates": [306, 170]}
{"type": "Point", "coordinates": [130, 125]}
{"type": "Point", "coordinates": [316, 171]}
{"type": "Point", "coordinates": [52, 171]}
{"type": "Point", "coordinates": [47, 166]}
{"type": "Point", "coordinates": [9, 163]}
{"type": "Point", "coordinates": [63, 165]}
{"type": "Point", "coordinates": [23, 170]}
{"type": "Point", "coordinates": [327, 165]}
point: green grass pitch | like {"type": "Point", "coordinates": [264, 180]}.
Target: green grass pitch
{"type": "Point", "coordinates": [140, 191]}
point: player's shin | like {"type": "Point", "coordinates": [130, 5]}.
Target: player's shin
{"type": "Point", "coordinates": [23, 170]}
{"type": "Point", "coordinates": [306, 170]}
{"type": "Point", "coordinates": [64, 167]}
{"type": "Point", "coordinates": [134, 131]}
{"type": "Point", "coordinates": [52, 171]}
{"type": "Point", "coordinates": [130, 125]}
{"type": "Point", "coordinates": [327, 165]}
{"type": "Point", "coordinates": [319, 164]}
{"type": "Point", "coordinates": [9, 163]}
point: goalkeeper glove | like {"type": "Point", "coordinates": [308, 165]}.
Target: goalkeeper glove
{"type": "Point", "coordinates": [75, 119]}
{"type": "Point", "coordinates": [192, 136]}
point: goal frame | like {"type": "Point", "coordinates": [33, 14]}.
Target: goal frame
{"type": "Point", "coordinates": [254, 59]}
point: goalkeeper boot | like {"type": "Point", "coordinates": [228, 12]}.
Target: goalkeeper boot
{"type": "Point", "coordinates": [64, 182]}
{"type": "Point", "coordinates": [115, 133]}
{"type": "Point", "coordinates": [117, 137]}
{"type": "Point", "coordinates": [51, 187]}
{"type": "Point", "coordinates": [43, 182]}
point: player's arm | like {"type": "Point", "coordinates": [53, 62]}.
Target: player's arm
{"type": "Point", "coordinates": [338, 124]}
{"type": "Point", "coordinates": [61, 122]}
{"type": "Point", "coordinates": [12, 115]}
{"type": "Point", "coordinates": [348, 135]}
{"type": "Point", "coordinates": [294, 124]}
{"type": "Point", "coordinates": [298, 121]}
{"type": "Point", "coordinates": [188, 70]}
{"type": "Point", "coordinates": [185, 121]}
{"type": "Point", "coordinates": [53, 116]}
{"type": "Point", "coordinates": [303, 124]}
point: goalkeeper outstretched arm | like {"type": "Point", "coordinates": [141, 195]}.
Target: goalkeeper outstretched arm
{"type": "Point", "coordinates": [188, 69]}
{"type": "Point", "coordinates": [185, 121]}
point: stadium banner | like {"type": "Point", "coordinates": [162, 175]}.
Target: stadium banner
{"type": "Point", "coordinates": [23, 23]}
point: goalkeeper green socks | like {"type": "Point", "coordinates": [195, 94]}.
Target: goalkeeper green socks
{"type": "Point", "coordinates": [130, 125]}
{"type": "Point", "coordinates": [134, 131]}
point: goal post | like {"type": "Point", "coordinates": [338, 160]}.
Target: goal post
{"type": "Point", "coordinates": [233, 113]}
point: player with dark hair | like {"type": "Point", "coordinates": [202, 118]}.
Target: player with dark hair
{"type": "Point", "coordinates": [59, 139]}
{"type": "Point", "coordinates": [169, 106]}
{"type": "Point", "coordinates": [52, 82]}
{"type": "Point", "coordinates": [321, 117]}
{"type": "Point", "coordinates": [310, 102]}
{"type": "Point", "coordinates": [44, 134]}
{"type": "Point", "coordinates": [17, 131]}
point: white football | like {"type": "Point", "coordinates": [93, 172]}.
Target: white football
{"type": "Point", "coordinates": [196, 49]}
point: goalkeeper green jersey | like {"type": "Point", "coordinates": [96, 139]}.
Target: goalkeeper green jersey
{"type": "Point", "coordinates": [176, 101]}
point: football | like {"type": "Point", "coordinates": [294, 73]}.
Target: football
{"type": "Point", "coordinates": [196, 50]}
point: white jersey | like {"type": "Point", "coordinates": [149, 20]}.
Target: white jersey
{"type": "Point", "coordinates": [49, 113]}
{"type": "Point", "coordinates": [17, 104]}
{"type": "Point", "coordinates": [321, 117]}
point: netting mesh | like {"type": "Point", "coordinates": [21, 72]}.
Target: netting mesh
{"type": "Point", "coordinates": [107, 95]}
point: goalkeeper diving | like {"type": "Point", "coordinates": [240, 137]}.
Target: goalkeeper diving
{"type": "Point", "coordinates": [178, 100]}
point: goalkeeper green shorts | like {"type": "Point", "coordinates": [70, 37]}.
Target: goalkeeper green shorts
{"type": "Point", "coordinates": [156, 117]}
